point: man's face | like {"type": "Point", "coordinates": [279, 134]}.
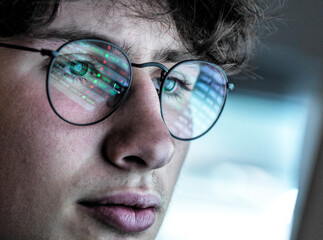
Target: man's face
{"type": "Point", "coordinates": [112, 180]}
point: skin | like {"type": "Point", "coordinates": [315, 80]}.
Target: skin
{"type": "Point", "coordinates": [47, 165]}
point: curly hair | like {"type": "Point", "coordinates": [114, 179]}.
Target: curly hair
{"type": "Point", "coordinates": [224, 32]}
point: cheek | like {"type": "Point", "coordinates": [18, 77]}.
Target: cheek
{"type": "Point", "coordinates": [39, 153]}
{"type": "Point", "coordinates": [23, 112]}
{"type": "Point", "coordinates": [33, 144]}
{"type": "Point", "coordinates": [32, 136]}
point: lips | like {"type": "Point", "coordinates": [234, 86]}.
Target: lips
{"type": "Point", "coordinates": [128, 212]}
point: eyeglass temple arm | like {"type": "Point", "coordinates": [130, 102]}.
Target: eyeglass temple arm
{"type": "Point", "coordinates": [44, 52]}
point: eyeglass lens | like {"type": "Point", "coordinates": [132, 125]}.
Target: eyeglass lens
{"type": "Point", "coordinates": [89, 79]}
{"type": "Point", "coordinates": [196, 99]}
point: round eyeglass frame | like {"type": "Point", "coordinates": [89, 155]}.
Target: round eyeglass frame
{"type": "Point", "coordinates": [221, 108]}
{"type": "Point", "coordinates": [49, 72]}
{"type": "Point", "coordinates": [165, 73]}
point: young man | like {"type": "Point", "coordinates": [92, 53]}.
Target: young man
{"type": "Point", "coordinates": [95, 114]}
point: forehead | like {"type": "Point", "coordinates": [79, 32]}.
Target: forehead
{"type": "Point", "coordinates": [117, 22]}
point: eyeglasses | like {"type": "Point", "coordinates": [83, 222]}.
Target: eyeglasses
{"type": "Point", "coordinates": [88, 79]}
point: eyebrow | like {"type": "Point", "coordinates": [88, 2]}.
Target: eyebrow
{"type": "Point", "coordinates": [171, 55]}
{"type": "Point", "coordinates": [67, 34]}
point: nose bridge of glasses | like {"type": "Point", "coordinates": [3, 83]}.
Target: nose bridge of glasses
{"type": "Point", "coordinates": [153, 64]}
{"type": "Point", "coordinates": [150, 64]}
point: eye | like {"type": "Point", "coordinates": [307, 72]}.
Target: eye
{"type": "Point", "coordinates": [75, 67]}
{"type": "Point", "coordinates": [176, 85]}
{"type": "Point", "coordinates": [170, 85]}
{"type": "Point", "coordinates": [79, 68]}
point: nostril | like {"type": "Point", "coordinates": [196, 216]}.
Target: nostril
{"type": "Point", "coordinates": [133, 162]}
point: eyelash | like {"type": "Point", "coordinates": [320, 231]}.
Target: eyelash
{"type": "Point", "coordinates": [183, 84]}
{"type": "Point", "coordinates": [91, 68]}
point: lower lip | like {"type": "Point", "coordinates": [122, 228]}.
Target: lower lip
{"type": "Point", "coordinates": [124, 218]}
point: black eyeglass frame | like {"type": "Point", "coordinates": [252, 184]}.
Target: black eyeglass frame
{"type": "Point", "coordinates": [164, 74]}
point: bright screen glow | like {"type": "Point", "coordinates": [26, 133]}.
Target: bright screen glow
{"type": "Point", "coordinates": [240, 180]}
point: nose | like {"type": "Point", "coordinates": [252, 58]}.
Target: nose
{"type": "Point", "coordinates": [138, 137]}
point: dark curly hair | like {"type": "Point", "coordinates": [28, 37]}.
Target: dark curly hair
{"type": "Point", "coordinates": [224, 32]}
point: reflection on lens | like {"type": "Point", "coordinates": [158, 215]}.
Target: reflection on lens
{"type": "Point", "coordinates": [193, 107]}
{"type": "Point", "coordinates": [88, 80]}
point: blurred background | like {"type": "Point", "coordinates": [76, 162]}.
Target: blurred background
{"type": "Point", "coordinates": [244, 178]}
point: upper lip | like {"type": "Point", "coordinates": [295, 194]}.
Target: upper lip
{"type": "Point", "coordinates": [129, 199]}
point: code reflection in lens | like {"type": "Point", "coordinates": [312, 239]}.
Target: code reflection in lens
{"type": "Point", "coordinates": [88, 80]}
{"type": "Point", "coordinates": [193, 107]}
